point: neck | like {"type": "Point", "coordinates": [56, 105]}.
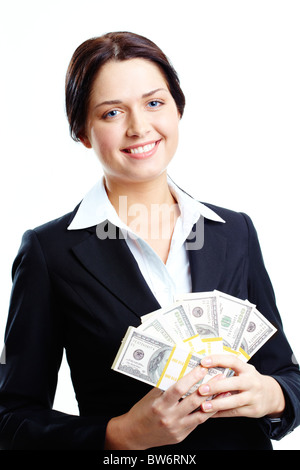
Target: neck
{"type": "Point", "coordinates": [149, 209]}
{"type": "Point", "coordinates": [145, 194]}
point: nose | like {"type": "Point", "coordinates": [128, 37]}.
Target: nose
{"type": "Point", "coordinates": [138, 124]}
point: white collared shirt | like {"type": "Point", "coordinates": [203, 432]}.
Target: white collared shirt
{"type": "Point", "coordinates": [166, 281]}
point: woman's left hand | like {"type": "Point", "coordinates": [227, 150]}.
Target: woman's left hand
{"type": "Point", "coordinates": [248, 393]}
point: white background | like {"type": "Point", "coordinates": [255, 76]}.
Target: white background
{"type": "Point", "coordinates": [239, 66]}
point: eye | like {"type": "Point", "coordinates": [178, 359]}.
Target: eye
{"type": "Point", "coordinates": [111, 114]}
{"type": "Point", "coordinates": [155, 104]}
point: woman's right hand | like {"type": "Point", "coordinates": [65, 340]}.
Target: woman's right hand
{"type": "Point", "coordinates": [160, 418]}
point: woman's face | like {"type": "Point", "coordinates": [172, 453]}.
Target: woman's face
{"type": "Point", "coordinates": [132, 121]}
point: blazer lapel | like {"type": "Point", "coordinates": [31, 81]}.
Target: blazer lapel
{"type": "Point", "coordinates": [111, 262]}
{"type": "Point", "coordinates": [207, 263]}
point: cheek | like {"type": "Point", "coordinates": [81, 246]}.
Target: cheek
{"type": "Point", "coordinates": [104, 142]}
{"type": "Point", "coordinates": [169, 128]}
{"type": "Point", "coordinates": [169, 124]}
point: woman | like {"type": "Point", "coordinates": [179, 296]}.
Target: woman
{"type": "Point", "coordinates": [81, 280]}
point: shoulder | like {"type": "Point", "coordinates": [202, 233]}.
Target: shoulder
{"type": "Point", "coordinates": [233, 219]}
{"type": "Point", "coordinates": [51, 234]}
{"type": "Point", "coordinates": [238, 226]}
{"type": "Point", "coordinates": [60, 224]}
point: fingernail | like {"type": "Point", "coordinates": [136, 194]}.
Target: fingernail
{"type": "Point", "coordinates": [206, 406]}
{"type": "Point", "coordinates": [204, 389]}
{"type": "Point", "coordinates": [206, 362]}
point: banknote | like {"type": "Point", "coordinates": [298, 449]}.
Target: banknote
{"type": "Point", "coordinates": [233, 317]}
{"type": "Point", "coordinates": [174, 319]}
{"type": "Point", "coordinates": [152, 361]}
{"type": "Point", "coordinates": [157, 363]}
{"type": "Point", "coordinates": [198, 344]}
{"type": "Point", "coordinates": [154, 326]}
{"type": "Point", "coordinates": [171, 341]}
{"type": "Point", "coordinates": [202, 311]}
{"type": "Point", "coordinates": [142, 356]}
{"type": "Point", "coordinates": [257, 332]}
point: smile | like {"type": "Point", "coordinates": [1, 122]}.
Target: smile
{"type": "Point", "coordinates": [142, 151]}
{"type": "Point", "coordinates": [146, 148]}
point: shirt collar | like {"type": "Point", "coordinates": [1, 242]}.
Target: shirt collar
{"type": "Point", "coordinates": [96, 208]}
{"type": "Point", "coordinates": [190, 208]}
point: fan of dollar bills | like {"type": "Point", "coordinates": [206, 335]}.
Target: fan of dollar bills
{"type": "Point", "coordinates": [171, 341]}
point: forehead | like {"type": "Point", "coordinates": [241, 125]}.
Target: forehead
{"type": "Point", "coordinates": [128, 78]}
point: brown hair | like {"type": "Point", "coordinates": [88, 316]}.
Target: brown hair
{"type": "Point", "coordinates": [92, 54]}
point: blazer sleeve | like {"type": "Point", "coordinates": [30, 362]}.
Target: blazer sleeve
{"type": "Point", "coordinates": [33, 352]}
{"type": "Point", "coordinates": [276, 357]}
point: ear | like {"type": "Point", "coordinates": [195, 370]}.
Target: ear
{"type": "Point", "coordinates": [85, 141]}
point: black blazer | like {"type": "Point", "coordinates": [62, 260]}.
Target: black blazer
{"type": "Point", "coordinates": [72, 290]}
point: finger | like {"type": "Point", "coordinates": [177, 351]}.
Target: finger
{"type": "Point", "coordinates": [214, 386]}
{"type": "Point", "coordinates": [174, 393]}
{"type": "Point", "coordinates": [192, 409]}
{"type": "Point", "coordinates": [192, 420]}
{"type": "Point", "coordinates": [224, 360]}
{"type": "Point", "coordinates": [193, 401]}
{"type": "Point", "coordinates": [230, 403]}
{"type": "Point", "coordinates": [217, 386]}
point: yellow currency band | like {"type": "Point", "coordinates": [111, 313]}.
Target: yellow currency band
{"type": "Point", "coordinates": [165, 368]}
{"type": "Point", "coordinates": [185, 365]}
{"type": "Point", "coordinates": [244, 354]}
{"type": "Point", "coordinates": [230, 350]}
{"type": "Point", "coordinates": [202, 352]}
{"type": "Point", "coordinates": [189, 339]}
{"type": "Point", "coordinates": [210, 340]}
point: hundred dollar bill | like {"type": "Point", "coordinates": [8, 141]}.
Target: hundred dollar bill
{"type": "Point", "coordinates": [181, 363]}
{"type": "Point", "coordinates": [171, 341]}
{"type": "Point", "coordinates": [257, 332]}
{"type": "Point", "coordinates": [154, 327]}
{"type": "Point", "coordinates": [149, 360]}
{"type": "Point", "coordinates": [202, 311]}
{"type": "Point", "coordinates": [173, 319]}
{"type": "Point", "coordinates": [142, 357]}
{"type": "Point", "coordinates": [152, 361]}
{"type": "Point", "coordinates": [233, 319]}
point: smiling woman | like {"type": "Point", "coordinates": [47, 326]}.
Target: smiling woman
{"type": "Point", "coordinates": [131, 246]}
{"type": "Point", "coordinates": [134, 134]}
{"type": "Point", "coordinates": [93, 53]}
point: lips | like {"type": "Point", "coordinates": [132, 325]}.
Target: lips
{"type": "Point", "coordinates": [142, 151]}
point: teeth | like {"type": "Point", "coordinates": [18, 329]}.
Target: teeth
{"type": "Point", "coordinates": [144, 149]}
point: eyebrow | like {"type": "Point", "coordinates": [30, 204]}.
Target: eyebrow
{"type": "Point", "coordinates": [145, 95]}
